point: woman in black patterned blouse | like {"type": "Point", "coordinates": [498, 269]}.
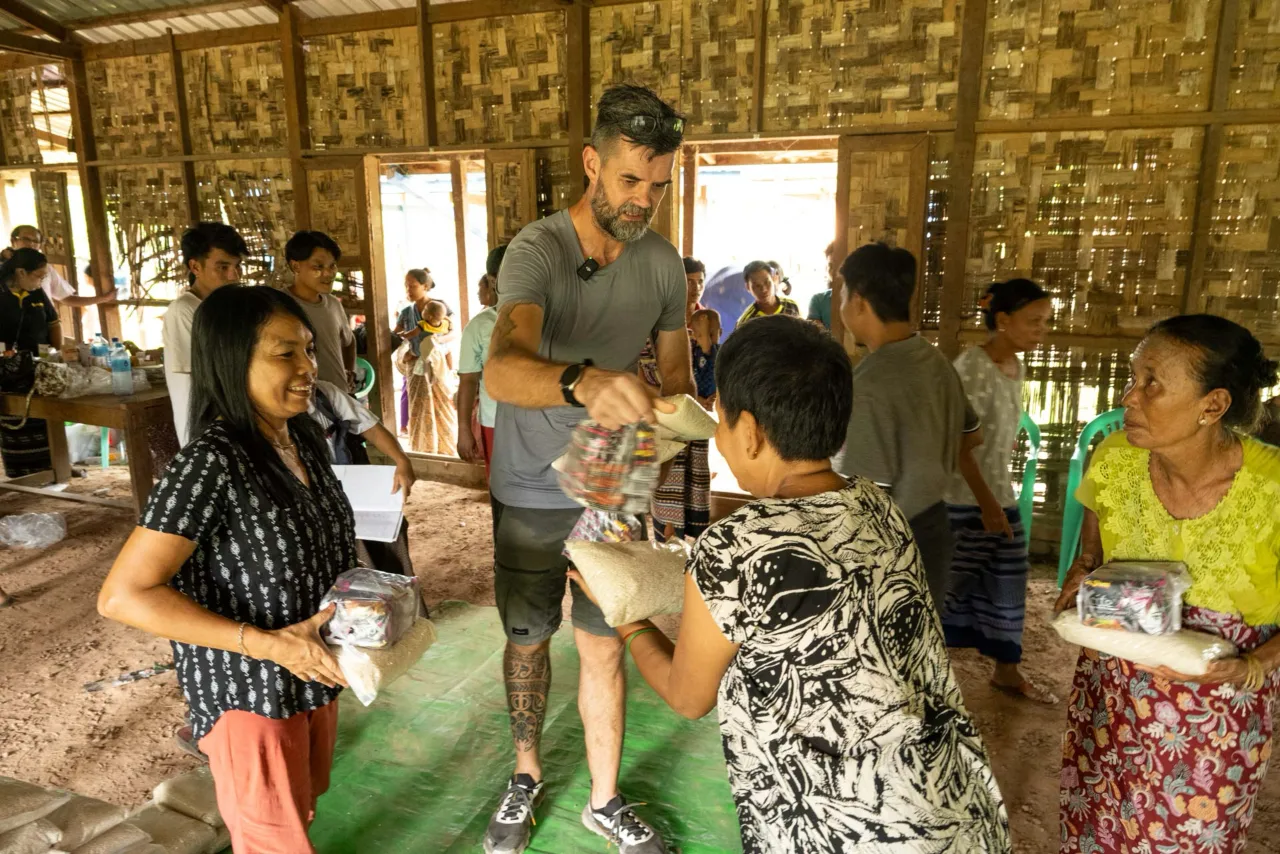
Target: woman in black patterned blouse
{"type": "Point", "coordinates": [237, 545]}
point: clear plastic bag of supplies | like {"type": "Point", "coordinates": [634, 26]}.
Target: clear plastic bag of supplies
{"type": "Point", "coordinates": [32, 530]}
{"type": "Point", "coordinates": [374, 610]}
{"type": "Point", "coordinates": [368, 671]}
{"type": "Point", "coordinates": [1134, 596]}
{"type": "Point", "coordinates": [1184, 651]}
{"type": "Point", "coordinates": [611, 470]}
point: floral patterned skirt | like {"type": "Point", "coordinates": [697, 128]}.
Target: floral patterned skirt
{"type": "Point", "coordinates": [1154, 767]}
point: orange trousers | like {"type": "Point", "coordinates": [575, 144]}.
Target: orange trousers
{"type": "Point", "coordinates": [268, 773]}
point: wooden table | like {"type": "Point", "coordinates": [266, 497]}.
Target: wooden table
{"type": "Point", "coordinates": [133, 415]}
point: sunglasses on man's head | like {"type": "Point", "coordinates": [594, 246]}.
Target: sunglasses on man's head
{"type": "Point", "coordinates": [648, 124]}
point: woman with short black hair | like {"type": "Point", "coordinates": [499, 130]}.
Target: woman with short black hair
{"type": "Point", "coordinates": [237, 545]}
{"type": "Point", "coordinates": [28, 319]}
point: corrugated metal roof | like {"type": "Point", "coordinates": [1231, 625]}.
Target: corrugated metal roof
{"type": "Point", "coordinates": [332, 8]}
{"type": "Point", "coordinates": [188, 23]}
{"type": "Point", "coordinates": [74, 10]}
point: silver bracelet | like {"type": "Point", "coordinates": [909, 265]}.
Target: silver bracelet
{"type": "Point", "coordinates": [240, 640]}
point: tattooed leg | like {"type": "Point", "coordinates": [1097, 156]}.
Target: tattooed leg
{"type": "Point", "coordinates": [527, 671]}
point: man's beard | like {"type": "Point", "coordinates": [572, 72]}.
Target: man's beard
{"type": "Point", "coordinates": [610, 218]}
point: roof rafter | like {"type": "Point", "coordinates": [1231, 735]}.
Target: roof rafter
{"type": "Point", "coordinates": [35, 18]}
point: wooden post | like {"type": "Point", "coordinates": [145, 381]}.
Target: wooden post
{"type": "Point", "coordinates": [578, 93]}
{"type": "Point", "coordinates": [377, 315]}
{"type": "Point", "coordinates": [95, 210]}
{"type": "Point", "coordinates": [184, 132]}
{"type": "Point", "coordinates": [1211, 158]}
{"type": "Point", "coordinates": [296, 119]}
{"type": "Point", "coordinates": [956, 254]}
{"type": "Point", "coordinates": [841, 240]}
{"type": "Point", "coordinates": [689, 196]}
{"type": "Point", "coordinates": [760, 66]}
{"type": "Point", "coordinates": [426, 43]}
{"type": "Point", "coordinates": [460, 237]}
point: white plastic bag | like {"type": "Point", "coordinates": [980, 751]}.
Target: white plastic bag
{"type": "Point", "coordinates": [632, 581]}
{"type": "Point", "coordinates": [1134, 596]}
{"type": "Point", "coordinates": [368, 671]}
{"type": "Point", "coordinates": [32, 530]}
{"type": "Point", "coordinates": [1184, 651]}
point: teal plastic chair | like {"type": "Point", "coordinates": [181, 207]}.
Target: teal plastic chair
{"type": "Point", "coordinates": [1072, 511]}
{"type": "Point", "coordinates": [1027, 497]}
{"type": "Point", "coordinates": [366, 377]}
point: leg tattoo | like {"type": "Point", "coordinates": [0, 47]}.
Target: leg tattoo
{"type": "Point", "coordinates": [528, 678]}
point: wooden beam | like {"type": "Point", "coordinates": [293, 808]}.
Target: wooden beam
{"type": "Point", "coordinates": [759, 69]}
{"type": "Point", "coordinates": [689, 198]}
{"type": "Point", "coordinates": [38, 47]}
{"type": "Point", "coordinates": [377, 315]}
{"type": "Point", "coordinates": [340, 24]}
{"type": "Point", "coordinates": [184, 133]}
{"type": "Point", "coordinates": [460, 238]}
{"type": "Point", "coordinates": [184, 41]}
{"type": "Point", "coordinates": [472, 9]}
{"type": "Point", "coordinates": [426, 43]}
{"type": "Point", "coordinates": [578, 93]}
{"type": "Point", "coordinates": [956, 253]}
{"type": "Point", "coordinates": [297, 122]}
{"type": "Point", "coordinates": [276, 6]}
{"type": "Point", "coordinates": [35, 18]}
{"type": "Point", "coordinates": [841, 241]}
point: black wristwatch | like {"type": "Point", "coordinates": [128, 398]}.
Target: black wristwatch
{"type": "Point", "coordinates": [569, 382]}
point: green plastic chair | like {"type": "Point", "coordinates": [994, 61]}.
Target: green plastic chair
{"type": "Point", "coordinates": [364, 371]}
{"type": "Point", "coordinates": [1027, 497]}
{"type": "Point", "coordinates": [1072, 511]}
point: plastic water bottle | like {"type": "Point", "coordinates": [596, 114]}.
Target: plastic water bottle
{"type": "Point", "coordinates": [121, 369]}
{"type": "Point", "coordinates": [98, 352]}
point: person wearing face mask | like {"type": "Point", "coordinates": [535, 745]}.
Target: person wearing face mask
{"type": "Point", "coordinates": [764, 290]}
{"type": "Point", "coordinates": [27, 320]}
{"type": "Point", "coordinates": [59, 289]}
{"type": "Point", "coordinates": [313, 258]}
{"type": "Point", "coordinates": [1153, 760]}
{"type": "Point", "coordinates": [241, 610]}
{"type": "Point", "coordinates": [212, 252]}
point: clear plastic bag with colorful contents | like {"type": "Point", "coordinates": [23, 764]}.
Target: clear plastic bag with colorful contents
{"type": "Point", "coordinates": [615, 471]}
{"type": "Point", "coordinates": [1134, 596]}
{"type": "Point", "coordinates": [374, 610]}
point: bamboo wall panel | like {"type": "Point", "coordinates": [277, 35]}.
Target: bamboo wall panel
{"type": "Point", "coordinates": [843, 63]}
{"type": "Point", "coordinates": [1105, 57]}
{"type": "Point", "coordinates": [879, 189]}
{"type": "Point", "coordinates": [507, 183]}
{"type": "Point", "coordinates": [235, 98]}
{"type": "Point", "coordinates": [935, 231]}
{"type": "Point", "coordinates": [17, 127]}
{"type": "Point", "coordinates": [1102, 219]}
{"type": "Point", "coordinates": [1255, 72]}
{"type": "Point", "coordinates": [147, 207]}
{"type": "Point", "coordinates": [638, 43]}
{"type": "Point", "coordinates": [334, 196]}
{"type": "Point", "coordinates": [555, 188]}
{"type": "Point", "coordinates": [1242, 269]}
{"type": "Point", "coordinates": [364, 89]}
{"type": "Point", "coordinates": [256, 197]}
{"type": "Point", "coordinates": [134, 104]}
{"type": "Point", "coordinates": [53, 215]}
{"type": "Point", "coordinates": [718, 51]}
{"type": "Point", "coordinates": [501, 79]}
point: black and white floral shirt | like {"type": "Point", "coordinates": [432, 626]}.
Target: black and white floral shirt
{"type": "Point", "coordinates": [255, 562]}
{"type": "Point", "coordinates": [842, 724]}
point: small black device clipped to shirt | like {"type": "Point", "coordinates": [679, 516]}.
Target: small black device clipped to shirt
{"type": "Point", "coordinates": [588, 269]}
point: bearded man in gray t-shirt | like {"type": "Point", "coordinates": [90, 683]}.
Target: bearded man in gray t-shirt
{"type": "Point", "coordinates": [579, 294]}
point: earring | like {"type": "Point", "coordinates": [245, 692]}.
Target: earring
{"type": "Point", "coordinates": [1203, 421]}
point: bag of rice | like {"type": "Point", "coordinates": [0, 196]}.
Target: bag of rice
{"type": "Point", "coordinates": [173, 830]}
{"type": "Point", "coordinates": [690, 421]}
{"type": "Point", "coordinates": [38, 837]}
{"type": "Point", "coordinates": [632, 581]}
{"type": "Point", "coordinates": [222, 843]}
{"type": "Point", "coordinates": [116, 840]}
{"type": "Point", "coordinates": [1185, 651]}
{"type": "Point", "coordinates": [191, 794]}
{"type": "Point", "coordinates": [368, 671]}
{"type": "Point", "coordinates": [22, 803]}
{"type": "Point", "coordinates": [82, 819]}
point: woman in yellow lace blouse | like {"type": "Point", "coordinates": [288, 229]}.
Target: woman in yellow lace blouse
{"type": "Point", "coordinates": [1153, 760]}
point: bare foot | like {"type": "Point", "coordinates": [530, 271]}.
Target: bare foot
{"type": "Point", "coordinates": [1026, 689]}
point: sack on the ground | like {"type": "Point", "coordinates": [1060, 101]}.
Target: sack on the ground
{"type": "Point", "coordinates": [173, 830]}
{"type": "Point", "coordinates": [32, 530]}
{"type": "Point", "coordinates": [632, 581]}
{"type": "Point", "coordinates": [368, 671]}
{"type": "Point", "coordinates": [191, 794]}
{"type": "Point", "coordinates": [375, 608]}
{"type": "Point", "coordinates": [82, 819]}
{"type": "Point", "coordinates": [1184, 651]}
{"type": "Point", "coordinates": [1134, 596]}
{"type": "Point", "coordinates": [22, 803]}
{"type": "Point", "coordinates": [116, 840]}
{"type": "Point", "coordinates": [222, 842]}
{"type": "Point", "coordinates": [38, 837]}
{"type": "Point", "coordinates": [689, 422]}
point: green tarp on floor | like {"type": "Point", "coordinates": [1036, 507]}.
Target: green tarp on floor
{"type": "Point", "coordinates": [422, 769]}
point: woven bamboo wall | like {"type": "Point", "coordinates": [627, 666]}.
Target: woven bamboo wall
{"type": "Point", "coordinates": [256, 197]}
{"type": "Point", "coordinates": [17, 128]}
{"type": "Point", "coordinates": [639, 43]}
{"type": "Point", "coordinates": [53, 215]}
{"type": "Point", "coordinates": [236, 99]}
{"type": "Point", "coordinates": [505, 186]}
{"type": "Point", "coordinates": [842, 63]}
{"type": "Point", "coordinates": [555, 188]}
{"type": "Point", "coordinates": [935, 231]}
{"type": "Point", "coordinates": [1105, 57]}
{"type": "Point", "coordinates": [1242, 269]}
{"type": "Point", "coordinates": [146, 207]}
{"type": "Point", "coordinates": [501, 79]}
{"type": "Point", "coordinates": [134, 105]}
{"type": "Point", "coordinates": [364, 90]}
{"type": "Point", "coordinates": [879, 190]}
{"type": "Point", "coordinates": [718, 50]}
{"type": "Point", "coordinates": [1255, 73]}
{"type": "Point", "coordinates": [1102, 219]}
{"type": "Point", "coordinates": [334, 196]}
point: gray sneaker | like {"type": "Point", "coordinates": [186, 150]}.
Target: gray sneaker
{"type": "Point", "coordinates": [512, 823]}
{"type": "Point", "coordinates": [619, 824]}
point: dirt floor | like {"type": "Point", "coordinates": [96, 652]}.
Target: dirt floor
{"type": "Point", "coordinates": [117, 745]}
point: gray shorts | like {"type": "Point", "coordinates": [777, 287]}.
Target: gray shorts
{"type": "Point", "coordinates": [932, 531]}
{"type": "Point", "coordinates": [529, 575]}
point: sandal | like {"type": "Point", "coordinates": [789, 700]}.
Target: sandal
{"type": "Point", "coordinates": [1028, 690]}
{"type": "Point", "coordinates": [187, 743]}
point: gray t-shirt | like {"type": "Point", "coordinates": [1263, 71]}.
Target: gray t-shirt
{"type": "Point", "coordinates": [909, 410]}
{"type": "Point", "coordinates": [606, 319]}
{"type": "Point", "coordinates": [333, 335]}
